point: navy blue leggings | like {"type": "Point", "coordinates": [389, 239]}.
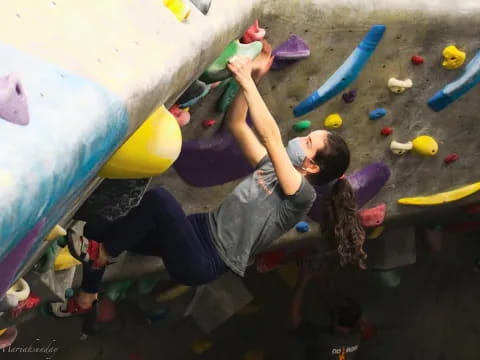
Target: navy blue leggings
{"type": "Point", "coordinates": [158, 226]}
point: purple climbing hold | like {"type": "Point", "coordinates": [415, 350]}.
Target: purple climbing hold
{"type": "Point", "coordinates": [366, 183]}
{"type": "Point", "coordinates": [289, 52]}
{"type": "Point", "coordinates": [349, 97]}
{"type": "Point", "coordinates": [294, 48]}
{"type": "Point", "coordinates": [13, 101]}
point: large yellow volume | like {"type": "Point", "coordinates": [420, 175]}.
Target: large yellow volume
{"type": "Point", "coordinates": [151, 150]}
{"type": "Point", "coordinates": [442, 198]}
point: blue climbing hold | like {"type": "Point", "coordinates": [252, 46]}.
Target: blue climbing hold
{"type": "Point", "coordinates": [302, 227]}
{"type": "Point", "coordinates": [377, 113]}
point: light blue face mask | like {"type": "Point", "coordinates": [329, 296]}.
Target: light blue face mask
{"type": "Point", "coordinates": [295, 152]}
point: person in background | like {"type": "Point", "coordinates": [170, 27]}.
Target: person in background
{"type": "Point", "coordinates": [338, 340]}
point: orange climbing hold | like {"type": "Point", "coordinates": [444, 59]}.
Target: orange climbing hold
{"type": "Point", "coordinates": [374, 216]}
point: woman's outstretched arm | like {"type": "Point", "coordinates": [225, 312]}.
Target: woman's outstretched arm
{"type": "Point", "coordinates": [290, 179]}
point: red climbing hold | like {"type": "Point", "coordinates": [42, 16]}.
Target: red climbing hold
{"type": "Point", "coordinates": [386, 131]}
{"type": "Point", "coordinates": [417, 60]}
{"type": "Point", "coordinates": [208, 123]}
{"type": "Point", "coordinates": [451, 158]}
{"type": "Point", "coordinates": [253, 33]}
{"type": "Point", "coordinates": [374, 216]}
{"type": "Point", "coordinates": [270, 260]}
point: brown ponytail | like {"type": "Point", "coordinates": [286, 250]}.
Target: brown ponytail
{"type": "Point", "coordinates": [342, 225]}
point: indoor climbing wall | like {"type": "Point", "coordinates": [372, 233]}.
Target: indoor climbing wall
{"type": "Point", "coordinates": [392, 78]}
{"type": "Point", "coordinates": [76, 80]}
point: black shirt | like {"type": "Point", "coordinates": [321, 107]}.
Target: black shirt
{"type": "Point", "coordinates": [323, 344]}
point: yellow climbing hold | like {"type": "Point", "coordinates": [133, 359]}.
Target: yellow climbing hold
{"type": "Point", "coordinates": [425, 145]}
{"type": "Point", "coordinates": [64, 260]}
{"type": "Point", "coordinates": [150, 151]}
{"type": "Point", "coordinates": [200, 346]}
{"type": "Point", "coordinates": [172, 293]}
{"type": "Point", "coordinates": [255, 354]}
{"type": "Point", "coordinates": [454, 58]}
{"type": "Point", "coordinates": [56, 232]}
{"type": "Point", "coordinates": [2, 331]}
{"type": "Point", "coordinates": [179, 8]}
{"type": "Point", "coordinates": [249, 310]}
{"type": "Point", "coordinates": [333, 121]}
{"type": "Point", "coordinates": [442, 198]}
{"type": "Point", "coordinates": [376, 232]}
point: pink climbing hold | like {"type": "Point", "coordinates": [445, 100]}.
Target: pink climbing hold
{"type": "Point", "coordinates": [208, 123]}
{"type": "Point", "coordinates": [417, 60]}
{"type": "Point", "coordinates": [374, 216]}
{"type": "Point", "coordinates": [182, 115]}
{"type": "Point", "coordinates": [386, 131]}
{"type": "Point", "coordinates": [451, 158]}
{"type": "Point", "coordinates": [253, 33]}
{"type": "Point", "coordinates": [13, 101]}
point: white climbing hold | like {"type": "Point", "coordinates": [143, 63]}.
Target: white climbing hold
{"type": "Point", "coordinates": [400, 148]}
{"type": "Point", "coordinates": [399, 86]}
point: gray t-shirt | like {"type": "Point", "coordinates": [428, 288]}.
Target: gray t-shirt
{"type": "Point", "coordinates": [255, 214]}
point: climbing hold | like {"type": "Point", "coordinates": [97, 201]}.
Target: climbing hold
{"type": "Point", "coordinates": [181, 9]}
{"type": "Point", "coordinates": [375, 232]}
{"type": "Point", "coordinates": [2, 331]}
{"type": "Point", "coordinates": [294, 48]}
{"type": "Point", "coordinates": [182, 115]}
{"type": "Point", "coordinates": [69, 293]}
{"type": "Point", "coordinates": [453, 57]}
{"type": "Point", "coordinates": [56, 232]}
{"type": "Point", "coordinates": [450, 158]}
{"type": "Point", "coordinates": [202, 5]}
{"type": "Point", "coordinates": [302, 227]}
{"type": "Point", "coordinates": [228, 96]}
{"type": "Point", "coordinates": [453, 91]}
{"type": "Point", "coordinates": [218, 69]}
{"type": "Point", "coordinates": [208, 123]}
{"type": "Point", "coordinates": [349, 97]}
{"type": "Point", "coordinates": [442, 198]}
{"type": "Point", "coordinates": [333, 121]}
{"type": "Point", "coordinates": [417, 60]}
{"type": "Point", "coordinates": [196, 91]}
{"type": "Point", "coordinates": [389, 278]}
{"type": "Point", "coordinates": [386, 131]}
{"type": "Point", "coordinates": [374, 216]}
{"type": "Point", "coordinates": [13, 100]}
{"type": "Point", "coordinates": [367, 329]}
{"type": "Point", "coordinates": [31, 302]}
{"type": "Point", "coordinates": [399, 86]}
{"type": "Point", "coordinates": [8, 337]}
{"type": "Point", "coordinates": [20, 289]}
{"type": "Point", "coordinates": [150, 151]}
{"type": "Point", "coordinates": [400, 148]}
{"type": "Point", "coordinates": [425, 145]}
{"type": "Point", "coordinates": [345, 75]}
{"type": "Point", "coordinates": [117, 291]}
{"type": "Point", "coordinates": [253, 33]}
{"type": "Point", "coordinates": [200, 346]}
{"type": "Point", "coordinates": [172, 293]}
{"type": "Point", "coordinates": [157, 315]}
{"type": "Point", "coordinates": [64, 260]}
{"type": "Point", "coordinates": [302, 125]}
{"type": "Point", "coordinates": [377, 114]}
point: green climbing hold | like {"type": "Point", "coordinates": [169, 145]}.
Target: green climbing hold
{"type": "Point", "coordinates": [218, 69]}
{"type": "Point", "coordinates": [118, 290]}
{"type": "Point", "coordinates": [229, 94]}
{"type": "Point", "coordinates": [302, 125]}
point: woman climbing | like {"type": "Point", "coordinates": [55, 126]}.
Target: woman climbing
{"type": "Point", "coordinates": [198, 248]}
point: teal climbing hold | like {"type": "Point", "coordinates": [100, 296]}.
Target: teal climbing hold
{"type": "Point", "coordinates": [69, 293]}
{"type": "Point", "coordinates": [302, 125]}
{"type": "Point", "coordinates": [229, 94]}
